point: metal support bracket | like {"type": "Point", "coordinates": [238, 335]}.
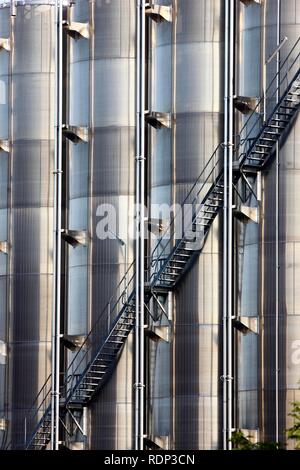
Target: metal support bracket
{"type": "Point", "coordinates": [13, 8]}
{"type": "Point", "coordinates": [156, 226]}
{"type": "Point", "coordinates": [249, 2]}
{"type": "Point", "coordinates": [157, 442]}
{"type": "Point", "coordinates": [5, 44]}
{"type": "Point", "coordinates": [74, 237]}
{"type": "Point", "coordinates": [77, 30]}
{"type": "Point", "coordinates": [75, 421]}
{"type": "Point", "coordinates": [73, 342]}
{"type": "Point", "coordinates": [246, 325]}
{"type": "Point", "coordinates": [3, 424]}
{"type": "Point", "coordinates": [3, 352]}
{"type": "Point", "coordinates": [4, 247]}
{"type": "Point", "coordinates": [246, 213]}
{"type": "Point", "coordinates": [5, 145]}
{"type": "Point", "coordinates": [76, 134]}
{"type": "Point", "coordinates": [158, 333]}
{"type": "Point", "coordinates": [158, 120]}
{"type": "Point", "coordinates": [249, 186]}
{"type": "Point", "coordinates": [159, 13]}
{"type": "Point", "coordinates": [160, 305]}
{"type": "Point", "coordinates": [246, 104]}
{"type": "Point", "coordinates": [251, 434]}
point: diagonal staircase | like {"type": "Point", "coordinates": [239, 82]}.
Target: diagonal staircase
{"type": "Point", "coordinates": [170, 259]}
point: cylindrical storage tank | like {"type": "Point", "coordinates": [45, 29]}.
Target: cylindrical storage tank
{"type": "Point", "coordinates": [187, 82]}
{"type": "Point", "coordinates": [277, 238]}
{"type": "Point", "coordinates": [101, 176]}
{"type": "Point", "coordinates": [27, 103]}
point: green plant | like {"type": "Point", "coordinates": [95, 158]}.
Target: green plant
{"type": "Point", "coordinates": [241, 442]}
{"type": "Point", "coordinates": [294, 431]}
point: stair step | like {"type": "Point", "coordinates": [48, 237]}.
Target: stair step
{"type": "Point", "coordinates": [202, 224]}
{"type": "Point", "coordinates": [287, 107]}
{"type": "Point", "coordinates": [280, 120]}
{"type": "Point", "coordinates": [168, 280]}
{"type": "Point", "coordinates": [278, 113]}
{"type": "Point", "coordinates": [174, 267]}
{"type": "Point", "coordinates": [167, 275]}
{"type": "Point", "coordinates": [84, 390]}
{"type": "Point", "coordinates": [264, 146]}
{"type": "Point", "coordinates": [256, 159]}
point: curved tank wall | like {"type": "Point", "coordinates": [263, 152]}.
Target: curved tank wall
{"type": "Point", "coordinates": [187, 81]}
{"type": "Point", "coordinates": [4, 207]}
{"type": "Point", "coordinates": [101, 171]}
{"type": "Point", "coordinates": [27, 81]}
{"type": "Point", "coordinates": [247, 302]}
{"type": "Point", "coordinates": [258, 26]}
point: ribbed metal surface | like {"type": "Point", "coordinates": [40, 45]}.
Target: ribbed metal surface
{"type": "Point", "coordinates": [259, 23]}
{"type": "Point", "coordinates": [181, 51]}
{"type": "Point", "coordinates": [102, 77]}
{"type": "Point", "coordinates": [26, 209]}
{"type": "Point", "coordinates": [4, 203]}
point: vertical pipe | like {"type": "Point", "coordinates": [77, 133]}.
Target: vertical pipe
{"type": "Point", "coordinates": [230, 221]}
{"type": "Point", "coordinates": [225, 230]}
{"type": "Point", "coordinates": [138, 112]}
{"type": "Point", "coordinates": [140, 216]}
{"type": "Point", "coordinates": [10, 193]}
{"type": "Point", "coordinates": [264, 79]}
{"type": "Point", "coordinates": [227, 224]}
{"type": "Point", "coordinates": [142, 222]}
{"type": "Point", "coordinates": [277, 241]}
{"type": "Point", "coordinates": [57, 230]}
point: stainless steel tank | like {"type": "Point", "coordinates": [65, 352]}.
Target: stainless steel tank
{"type": "Point", "coordinates": [27, 103]}
{"type": "Point", "coordinates": [187, 78]}
{"type": "Point", "coordinates": [274, 302]}
{"type": "Point", "coordinates": [101, 171]}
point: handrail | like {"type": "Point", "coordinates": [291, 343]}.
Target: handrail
{"type": "Point", "coordinates": [87, 345]}
{"type": "Point", "coordinates": [108, 305]}
{"type": "Point", "coordinates": [272, 82]}
{"type": "Point", "coordinates": [215, 167]}
{"type": "Point", "coordinates": [247, 137]}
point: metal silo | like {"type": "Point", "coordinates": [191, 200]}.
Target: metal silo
{"type": "Point", "coordinates": [101, 172]}
{"type": "Point", "coordinates": [186, 83]}
{"type": "Point", "coordinates": [269, 258]}
{"type": "Point", "coordinates": [27, 134]}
